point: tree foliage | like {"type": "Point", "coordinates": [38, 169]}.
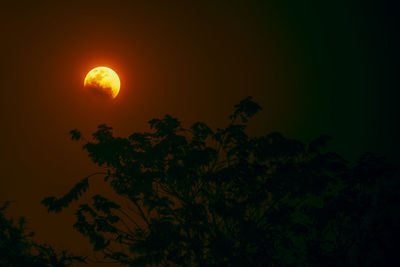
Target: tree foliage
{"type": "Point", "coordinates": [17, 249]}
{"type": "Point", "coordinates": [202, 197]}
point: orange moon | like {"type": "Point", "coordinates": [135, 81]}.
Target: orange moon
{"type": "Point", "coordinates": [103, 81]}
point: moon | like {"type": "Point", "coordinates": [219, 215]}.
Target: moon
{"type": "Point", "coordinates": [103, 81]}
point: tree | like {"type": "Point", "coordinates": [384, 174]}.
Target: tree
{"type": "Point", "coordinates": [203, 197]}
{"type": "Point", "coordinates": [17, 249]}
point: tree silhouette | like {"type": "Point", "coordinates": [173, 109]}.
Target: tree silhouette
{"type": "Point", "coordinates": [202, 197]}
{"type": "Point", "coordinates": [17, 249]}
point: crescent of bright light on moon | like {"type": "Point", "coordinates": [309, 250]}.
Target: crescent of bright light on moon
{"type": "Point", "coordinates": [103, 80]}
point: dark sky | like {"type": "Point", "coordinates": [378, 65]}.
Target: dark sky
{"type": "Point", "coordinates": [315, 69]}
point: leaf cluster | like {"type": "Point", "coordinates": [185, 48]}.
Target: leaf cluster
{"type": "Point", "coordinates": [17, 248]}
{"type": "Point", "coordinates": [202, 197]}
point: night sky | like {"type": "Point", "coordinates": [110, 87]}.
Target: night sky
{"type": "Point", "coordinates": [314, 68]}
